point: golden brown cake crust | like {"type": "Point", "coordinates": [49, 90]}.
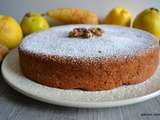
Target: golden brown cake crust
{"type": "Point", "coordinates": [94, 75]}
{"type": "Point", "coordinates": [101, 73]}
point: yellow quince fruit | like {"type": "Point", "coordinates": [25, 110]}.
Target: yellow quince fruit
{"type": "Point", "coordinates": [73, 16]}
{"type": "Point", "coordinates": [10, 32]}
{"type": "Point", "coordinates": [118, 16]}
{"type": "Point", "coordinates": [33, 22]}
{"type": "Point", "coordinates": [148, 20]}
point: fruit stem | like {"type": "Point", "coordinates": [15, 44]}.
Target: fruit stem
{"type": "Point", "coordinates": [43, 14]}
{"type": "Point", "coordinates": [28, 14]}
{"type": "Point", "coordinates": [155, 9]}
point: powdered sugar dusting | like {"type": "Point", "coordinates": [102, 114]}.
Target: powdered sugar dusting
{"type": "Point", "coordinates": [116, 41]}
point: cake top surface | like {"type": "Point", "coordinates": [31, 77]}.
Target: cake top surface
{"type": "Point", "coordinates": [116, 41]}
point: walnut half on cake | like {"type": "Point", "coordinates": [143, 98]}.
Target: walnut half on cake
{"type": "Point", "coordinates": [119, 56]}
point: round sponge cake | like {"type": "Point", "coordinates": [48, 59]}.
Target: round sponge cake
{"type": "Point", "coordinates": [120, 56]}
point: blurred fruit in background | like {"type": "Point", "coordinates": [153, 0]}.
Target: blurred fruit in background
{"type": "Point", "coordinates": [148, 20]}
{"type": "Point", "coordinates": [3, 51]}
{"type": "Point", "coordinates": [10, 32]}
{"type": "Point", "coordinates": [73, 16]}
{"type": "Point", "coordinates": [118, 16]}
{"type": "Point", "coordinates": [33, 22]}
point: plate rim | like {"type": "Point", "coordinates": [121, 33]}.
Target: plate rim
{"type": "Point", "coordinates": [104, 104]}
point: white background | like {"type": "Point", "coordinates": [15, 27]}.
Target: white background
{"type": "Point", "coordinates": [17, 8]}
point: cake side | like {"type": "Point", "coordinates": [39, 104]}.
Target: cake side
{"type": "Point", "coordinates": [92, 75]}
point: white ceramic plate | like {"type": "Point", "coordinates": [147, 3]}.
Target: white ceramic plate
{"type": "Point", "coordinates": [77, 98]}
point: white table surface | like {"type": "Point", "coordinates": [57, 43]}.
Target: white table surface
{"type": "Point", "coordinates": [15, 106]}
